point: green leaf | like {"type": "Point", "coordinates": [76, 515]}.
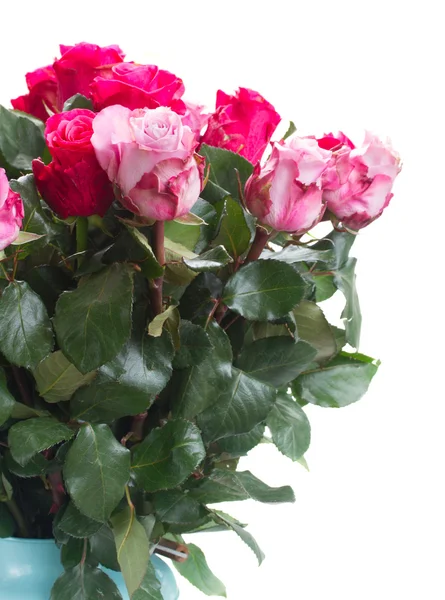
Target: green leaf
{"type": "Point", "coordinates": [276, 360]}
{"type": "Point", "coordinates": [48, 282]}
{"type": "Point", "coordinates": [7, 523]}
{"type": "Point", "coordinates": [77, 525]}
{"type": "Point", "coordinates": [37, 466]}
{"type": "Point", "coordinates": [150, 266]}
{"type": "Point", "coordinates": [235, 446]}
{"type": "Point", "coordinates": [26, 336]}
{"type": "Point", "coordinates": [234, 232]}
{"type": "Point", "coordinates": [195, 345]}
{"type": "Point", "coordinates": [207, 232]}
{"type": "Point", "coordinates": [264, 290]}
{"type": "Point", "coordinates": [129, 383]}
{"type": "Point", "coordinates": [156, 327]}
{"type": "Point", "coordinates": [174, 506]}
{"type": "Point", "coordinates": [176, 271]}
{"type": "Point", "coordinates": [96, 471]}
{"type": "Point", "coordinates": [71, 553]}
{"type": "Point", "coordinates": [7, 401]}
{"type": "Point", "coordinates": [296, 254]}
{"type": "Point", "coordinates": [223, 167]}
{"type": "Point", "coordinates": [93, 322]}
{"type": "Point", "coordinates": [212, 260]}
{"type": "Point", "coordinates": [132, 547]}
{"type": "Point", "coordinates": [238, 409]}
{"type": "Point", "coordinates": [313, 327]}
{"type": "Point", "coordinates": [21, 139]}
{"type": "Point", "coordinates": [77, 101]}
{"type": "Point", "coordinates": [25, 238]}
{"type": "Point", "coordinates": [196, 570]}
{"type": "Point", "coordinates": [29, 437]}
{"type": "Point", "coordinates": [324, 287]}
{"type": "Point", "coordinates": [150, 588]}
{"type": "Point", "coordinates": [21, 411]}
{"type": "Point", "coordinates": [168, 455]}
{"type": "Point", "coordinates": [57, 379]}
{"type": "Point", "coordinates": [291, 129]}
{"type": "Point", "coordinates": [289, 426]}
{"type": "Point", "coordinates": [247, 538]}
{"type": "Point", "coordinates": [103, 548]}
{"type": "Point", "coordinates": [228, 486]}
{"type": "Point", "coordinates": [202, 385]}
{"type": "Point", "coordinates": [345, 281]}
{"type": "Point", "coordinates": [339, 383]}
{"type": "Point", "coordinates": [84, 582]}
{"type": "Point", "coordinates": [180, 233]}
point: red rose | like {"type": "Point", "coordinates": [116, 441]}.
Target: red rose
{"type": "Point", "coordinates": [73, 184]}
{"type": "Point", "coordinates": [243, 123]}
{"type": "Point", "coordinates": [80, 64]}
{"type": "Point", "coordinates": [138, 86]}
{"type": "Point", "coordinates": [43, 94]}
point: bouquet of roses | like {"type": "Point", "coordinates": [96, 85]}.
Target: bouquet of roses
{"type": "Point", "coordinates": [159, 311]}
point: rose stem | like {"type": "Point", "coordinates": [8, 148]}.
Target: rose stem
{"type": "Point", "coordinates": [261, 238]}
{"type": "Point", "coordinates": [158, 249]}
{"type": "Point", "coordinates": [81, 238]}
{"type": "Point", "coordinates": [21, 385]}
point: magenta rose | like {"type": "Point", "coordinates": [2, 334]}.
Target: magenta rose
{"type": "Point", "coordinates": [43, 96]}
{"type": "Point", "coordinates": [149, 154]}
{"type": "Point", "coordinates": [138, 86]}
{"type": "Point", "coordinates": [285, 193]}
{"type": "Point", "coordinates": [243, 123]}
{"type": "Point", "coordinates": [73, 184]}
{"type": "Point", "coordinates": [357, 185]}
{"type": "Point", "coordinates": [11, 212]}
{"type": "Point", "coordinates": [80, 64]}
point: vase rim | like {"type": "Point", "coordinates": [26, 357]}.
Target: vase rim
{"type": "Point", "coordinates": [28, 540]}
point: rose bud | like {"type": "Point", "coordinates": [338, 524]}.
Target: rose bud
{"type": "Point", "coordinates": [243, 123]}
{"type": "Point", "coordinates": [149, 154]}
{"type": "Point", "coordinates": [73, 184]}
{"type": "Point", "coordinates": [285, 193]}
{"type": "Point", "coordinates": [43, 97]}
{"type": "Point", "coordinates": [138, 86]}
{"type": "Point", "coordinates": [11, 212]}
{"type": "Point", "coordinates": [357, 185]}
{"type": "Point", "coordinates": [80, 64]}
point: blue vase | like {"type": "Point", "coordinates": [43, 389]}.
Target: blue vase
{"type": "Point", "coordinates": [29, 568]}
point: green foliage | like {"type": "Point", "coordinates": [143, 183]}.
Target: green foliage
{"type": "Point", "coordinates": [196, 570]}
{"type": "Point", "coordinates": [21, 140]}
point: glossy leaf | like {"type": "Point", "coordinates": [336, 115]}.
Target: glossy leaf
{"type": "Point", "coordinates": [7, 401]}
{"type": "Point", "coordinates": [29, 437]}
{"type": "Point", "coordinates": [96, 471]}
{"type": "Point", "coordinates": [289, 426]}
{"type": "Point", "coordinates": [150, 266]}
{"type": "Point", "coordinates": [57, 379]}
{"type": "Point", "coordinates": [183, 234]}
{"type": "Point", "coordinates": [276, 360]}
{"type": "Point", "coordinates": [77, 101]}
{"type": "Point", "coordinates": [176, 271]}
{"type": "Point", "coordinates": [296, 254]}
{"type": "Point", "coordinates": [103, 548]}
{"type": "Point", "coordinates": [150, 588]}
{"type": "Point", "coordinates": [212, 260]}
{"type": "Point", "coordinates": [94, 321]}
{"type": "Point", "coordinates": [195, 345]}
{"type": "Point", "coordinates": [21, 139]}
{"type": "Point", "coordinates": [84, 582]}
{"type": "Point", "coordinates": [174, 506]}
{"type": "Point", "coordinates": [76, 524]}
{"type": "Point", "coordinates": [264, 290]}
{"type": "Point", "coordinates": [313, 327]}
{"type": "Point", "coordinates": [72, 552]}
{"type": "Point", "coordinates": [196, 570]}
{"type": "Point", "coordinates": [224, 165]}
{"type": "Point", "coordinates": [247, 538]}
{"type": "Point", "coordinates": [26, 335]}
{"type": "Point", "coordinates": [48, 282]}
{"type": "Point", "coordinates": [168, 455]}
{"type": "Point", "coordinates": [37, 466]}
{"type": "Point", "coordinates": [239, 445]}
{"type": "Point", "coordinates": [234, 233]}
{"type": "Point", "coordinates": [345, 281]}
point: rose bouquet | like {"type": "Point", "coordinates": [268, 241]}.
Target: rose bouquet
{"type": "Point", "coordinates": [159, 310]}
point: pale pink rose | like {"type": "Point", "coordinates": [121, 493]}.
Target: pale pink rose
{"type": "Point", "coordinates": [357, 185]}
{"type": "Point", "coordinates": [149, 155]}
{"type": "Point", "coordinates": [285, 193]}
{"type": "Point", "coordinates": [11, 212]}
{"type": "Point", "coordinates": [195, 117]}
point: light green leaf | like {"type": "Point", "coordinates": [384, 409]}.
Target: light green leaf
{"type": "Point", "coordinates": [289, 426]}
{"type": "Point", "coordinates": [247, 538]}
{"type": "Point", "coordinates": [212, 260]}
{"type": "Point", "coordinates": [196, 570]}
{"type": "Point", "coordinates": [25, 238]}
{"type": "Point", "coordinates": [313, 327]}
{"type": "Point", "coordinates": [27, 438]}
{"type": "Point", "coordinates": [57, 379]}
{"type": "Point", "coordinates": [156, 327]}
{"type": "Point", "coordinates": [345, 281]}
{"type": "Point", "coordinates": [296, 254]}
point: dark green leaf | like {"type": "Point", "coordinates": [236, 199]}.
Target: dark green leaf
{"type": "Point", "coordinates": [84, 582]}
{"type": "Point", "coordinates": [150, 588]}
{"type": "Point", "coordinates": [289, 426]}
{"type": "Point", "coordinates": [7, 523]}
{"type": "Point", "coordinates": [48, 282]}
{"type": "Point", "coordinates": [149, 265]}
{"type": "Point", "coordinates": [228, 486]}
{"type": "Point", "coordinates": [77, 101]}
{"type": "Point", "coordinates": [94, 321]}
{"type": "Point", "coordinates": [26, 336]}
{"type": "Point", "coordinates": [21, 411]}
{"type": "Point", "coordinates": [196, 570]}
{"type": "Point", "coordinates": [324, 287]}
{"type": "Point", "coordinates": [77, 525]}
{"type": "Point", "coordinates": [345, 281]}
{"type": "Point", "coordinates": [174, 506]}
{"type": "Point", "coordinates": [132, 547]}
{"type": "Point", "coordinates": [247, 538]}
{"type": "Point", "coordinates": [29, 437]}
{"type": "Point", "coordinates": [198, 297]}
{"type": "Point", "coordinates": [234, 232]}
{"type": "Point", "coordinates": [223, 167]}
{"type": "Point", "coordinates": [103, 548]}
{"type": "Point", "coordinates": [276, 360]}
{"type": "Point", "coordinates": [212, 260]}
{"type": "Point", "coordinates": [57, 379]}
{"type": "Point", "coordinates": [313, 327]}
{"type": "Point", "coordinates": [96, 471]}
{"type": "Point", "coordinates": [206, 211]}
{"type": "Point", "coordinates": [168, 455]}
{"type": "Point", "coordinates": [264, 290]}
{"type": "Point", "coordinates": [195, 345]}
{"type": "Point", "coordinates": [235, 446]}
{"type": "Point", "coordinates": [71, 553]}
{"type": "Point", "coordinates": [341, 242]}
{"type": "Point", "coordinates": [7, 401]}
{"type": "Point", "coordinates": [21, 139]}
{"type": "Point", "coordinates": [339, 383]}
{"type": "Point", "coordinates": [36, 467]}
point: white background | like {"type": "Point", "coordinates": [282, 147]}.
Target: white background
{"type": "Point", "coordinates": [368, 520]}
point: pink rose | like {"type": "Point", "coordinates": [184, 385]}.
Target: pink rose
{"type": "Point", "coordinates": [243, 123]}
{"type": "Point", "coordinates": [73, 184]}
{"type": "Point", "coordinates": [149, 154]}
{"type": "Point", "coordinates": [285, 193]}
{"type": "Point", "coordinates": [11, 212]}
{"type": "Point", "coordinates": [357, 185]}
{"type": "Point", "coordinates": [195, 117]}
{"type": "Point", "coordinates": [80, 64]}
{"type": "Point", "coordinates": [138, 86]}
{"type": "Point", "coordinates": [43, 94]}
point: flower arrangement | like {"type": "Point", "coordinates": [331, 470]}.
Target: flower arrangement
{"type": "Point", "coordinates": [159, 309]}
